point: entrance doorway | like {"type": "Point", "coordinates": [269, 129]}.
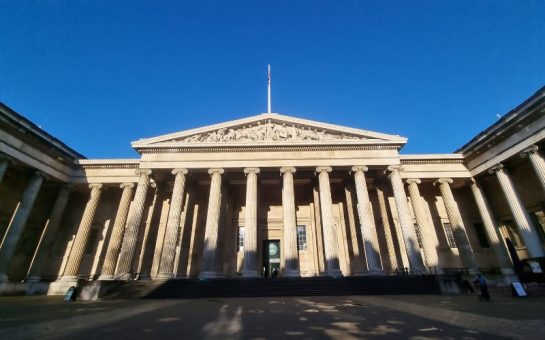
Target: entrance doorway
{"type": "Point", "coordinates": [271, 258]}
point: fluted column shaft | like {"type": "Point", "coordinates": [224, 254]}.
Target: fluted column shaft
{"type": "Point", "coordinates": [538, 163]}
{"type": "Point", "coordinates": [457, 224]}
{"type": "Point", "coordinates": [430, 252]}
{"type": "Point", "coordinates": [3, 168]}
{"type": "Point", "coordinates": [50, 233]}
{"type": "Point", "coordinates": [291, 254]}
{"type": "Point", "coordinates": [392, 257]}
{"type": "Point", "coordinates": [328, 225]}
{"type": "Point", "coordinates": [250, 224]}
{"type": "Point", "coordinates": [212, 226]}
{"type": "Point", "coordinates": [18, 223]}
{"type": "Point", "coordinates": [367, 225]}
{"type": "Point", "coordinates": [130, 237]}
{"type": "Point", "coordinates": [520, 215]}
{"type": "Point", "coordinates": [490, 228]}
{"type": "Point", "coordinates": [76, 254]}
{"type": "Point", "coordinates": [114, 246]}
{"type": "Point", "coordinates": [407, 230]}
{"type": "Point", "coordinates": [166, 266]}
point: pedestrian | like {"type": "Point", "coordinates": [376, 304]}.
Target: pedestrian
{"type": "Point", "coordinates": [482, 288]}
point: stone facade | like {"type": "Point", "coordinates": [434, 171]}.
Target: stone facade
{"type": "Point", "coordinates": [213, 201]}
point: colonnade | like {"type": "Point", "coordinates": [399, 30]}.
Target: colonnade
{"type": "Point", "coordinates": [123, 241]}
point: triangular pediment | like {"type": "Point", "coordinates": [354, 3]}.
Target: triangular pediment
{"type": "Point", "coordinates": [268, 129]}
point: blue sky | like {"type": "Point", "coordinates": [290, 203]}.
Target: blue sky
{"type": "Point", "coordinates": [100, 74]}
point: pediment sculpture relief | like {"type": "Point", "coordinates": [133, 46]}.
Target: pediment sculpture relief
{"type": "Point", "coordinates": [267, 132]}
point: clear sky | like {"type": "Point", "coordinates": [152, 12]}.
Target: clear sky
{"type": "Point", "coordinates": [100, 74]}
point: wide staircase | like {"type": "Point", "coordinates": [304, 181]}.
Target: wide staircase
{"type": "Point", "coordinates": [238, 287]}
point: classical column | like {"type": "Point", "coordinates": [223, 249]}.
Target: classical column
{"type": "Point", "coordinates": [76, 254]}
{"type": "Point", "coordinates": [457, 224]}
{"type": "Point", "coordinates": [250, 224]}
{"type": "Point", "coordinates": [18, 223]}
{"type": "Point", "coordinates": [49, 235]}
{"type": "Point", "coordinates": [405, 221]}
{"type": "Point", "coordinates": [4, 162]}
{"type": "Point", "coordinates": [212, 226]}
{"type": "Point", "coordinates": [328, 225]}
{"type": "Point", "coordinates": [538, 163]}
{"type": "Point", "coordinates": [108, 269]}
{"type": "Point", "coordinates": [166, 266]}
{"type": "Point", "coordinates": [291, 254]}
{"type": "Point", "coordinates": [128, 247]}
{"type": "Point", "coordinates": [430, 252]}
{"type": "Point", "coordinates": [490, 228]}
{"type": "Point", "coordinates": [520, 215]}
{"type": "Point", "coordinates": [367, 225]}
{"type": "Point", "coordinates": [392, 257]}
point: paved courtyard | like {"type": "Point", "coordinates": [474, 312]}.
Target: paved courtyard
{"type": "Point", "coordinates": [354, 317]}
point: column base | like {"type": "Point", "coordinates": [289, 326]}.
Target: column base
{"type": "Point", "coordinates": [144, 277]}
{"type": "Point", "coordinates": [210, 275]}
{"type": "Point", "coordinates": [164, 276]}
{"type": "Point", "coordinates": [106, 278]}
{"type": "Point", "coordinates": [473, 271]}
{"type": "Point", "coordinates": [334, 273]}
{"type": "Point", "coordinates": [33, 279]}
{"type": "Point", "coordinates": [371, 273]}
{"type": "Point", "coordinates": [291, 273]}
{"type": "Point", "coordinates": [250, 274]}
{"type": "Point", "coordinates": [507, 271]}
{"type": "Point", "coordinates": [69, 278]}
{"type": "Point", "coordinates": [125, 277]}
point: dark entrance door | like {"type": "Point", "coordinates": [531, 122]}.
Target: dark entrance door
{"type": "Point", "coordinates": [271, 258]}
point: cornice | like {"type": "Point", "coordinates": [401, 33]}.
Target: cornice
{"type": "Point", "coordinates": [278, 148]}
{"type": "Point", "coordinates": [108, 163]}
{"type": "Point", "coordinates": [455, 158]}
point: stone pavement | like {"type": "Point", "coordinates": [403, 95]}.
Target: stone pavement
{"type": "Point", "coordinates": [354, 317]}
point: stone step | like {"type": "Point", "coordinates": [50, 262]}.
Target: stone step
{"type": "Point", "coordinates": [236, 287]}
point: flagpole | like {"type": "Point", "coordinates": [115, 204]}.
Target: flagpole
{"type": "Point", "coordinates": [269, 89]}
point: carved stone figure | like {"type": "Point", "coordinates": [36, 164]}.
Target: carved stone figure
{"type": "Point", "coordinates": [267, 132]}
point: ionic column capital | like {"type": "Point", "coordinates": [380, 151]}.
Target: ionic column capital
{"type": "Point", "coordinates": [496, 168]}
{"type": "Point", "coordinates": [41, 174]}
{"type": "Point", "coordinates": [471, 181]}
{"type": "Point", "coordinates": [181, 170]}
{"type": "Point", "coordinates": [251, 170]}
{"type": "Point", "coordinates": [285, 169]}
{"type": "Point", "coordinates": [413, 180]}
{"type": "Point", "coordinates": [320, 169]}
{"type": "Point", "coordinates": [67, 186]}
{"type": "Point", "coordinates": [528, 151]}
{"type": "Point", "coordinates": [140, 172]}
{"type": "Point", "coordinates": [357, 168]}
{"type": "Point", "coordinates": [443, 181]}
{"type": "Point", "coordinates": [126, 185]}
{"type": "Point", "coordinates": [393, 168]}
{"type": "Point", "coordinates": [9, 159]}
{"type": "Point", "coordinates": [95, 185]}
{"type": "Point", "coordinates": [216, 170]}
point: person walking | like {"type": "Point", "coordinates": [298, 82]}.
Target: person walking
{"type": "Point", "coordinates": [482, 288]}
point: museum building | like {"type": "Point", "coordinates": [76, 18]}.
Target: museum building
{"type": "Point", "coordinates": [270, 195]}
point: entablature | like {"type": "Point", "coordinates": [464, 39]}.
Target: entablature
{"type": "Point", "coordinates": [433, 166]}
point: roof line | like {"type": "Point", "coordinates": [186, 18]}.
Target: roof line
{"type": "Point", "coordinates": [39, 132]}
{"type": "Point", "coordinates": [276, 116]}
{"type": "Point", "coordinates": [503, 120]}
